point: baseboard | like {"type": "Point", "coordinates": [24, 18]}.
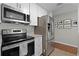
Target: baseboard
{"type": "Point", "coordinates": [68, 48]}
{"type": "Point", "coordinates": [78, 52]}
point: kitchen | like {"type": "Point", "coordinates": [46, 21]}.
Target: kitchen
{"type": "Point", "coordinates": [29, 29]}
{"type": "Point", "coordinates": [9, 25]}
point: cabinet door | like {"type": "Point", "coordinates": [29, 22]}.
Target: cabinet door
{"type": "Point", "coordinates": [23, 49]}
{"type": "Point", "coordinates": [38, 46]}
{"type": "Point", "coordinates": [12, 4]}
{"type": "Point", "coordinates": [33, 14]}
{"type": "Point", "coordinates": [0, 42]}
{"type": "Point", "coordinates": [0, 12]}
{"type": "Point", "coordinates": [25, 8]}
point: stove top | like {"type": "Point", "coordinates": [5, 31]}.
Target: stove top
{"type": "Point", "coordinates": [18, 41]}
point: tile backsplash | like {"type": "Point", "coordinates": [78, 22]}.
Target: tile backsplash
{"type": "Point", "coordinates": [30, 29]}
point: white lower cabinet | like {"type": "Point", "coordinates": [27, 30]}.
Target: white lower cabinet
{"type": "Point", "coordinates": [23, 49]}
{"type": "Point", "coordinates": [38, 45]}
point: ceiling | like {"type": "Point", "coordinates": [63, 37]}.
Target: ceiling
{"type": "Point", "coordinates": [48, 6]}
{"type": "Point", "coordinates": [58, 6]}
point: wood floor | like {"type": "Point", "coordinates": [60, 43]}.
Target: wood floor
{"type": "Point", "coordinates": [66, 48]}
{"type": "Point", "coordinates": [58, 52]}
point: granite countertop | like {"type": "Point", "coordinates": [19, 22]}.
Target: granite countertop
{"type": "Point", "coordinates": [29, 37]}
{"type": "Point", "coordinates": [34, 35]}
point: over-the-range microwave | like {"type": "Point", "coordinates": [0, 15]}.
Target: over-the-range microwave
{"type": "Point", "coordinates": [10, 14]}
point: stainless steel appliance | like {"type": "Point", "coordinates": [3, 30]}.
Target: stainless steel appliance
{"type": "Point", "coordinates": [31, 48]}
{"type": "Point", "coordinates": [11, 38]}
{"type": "Point", "coordinates": [10, 14]}
{"type": "Point", "coordinates": [11, 52]}
{"type": "Point", "coordinates": [46, 29]}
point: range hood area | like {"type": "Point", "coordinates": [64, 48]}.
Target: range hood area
{"type": "Point", "coordinates": [10, 14]}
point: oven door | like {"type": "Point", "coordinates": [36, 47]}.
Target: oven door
{"type": "Point", "coordinates": [31, 48]}
{"type": "Point", "coordinates": [11, 52]}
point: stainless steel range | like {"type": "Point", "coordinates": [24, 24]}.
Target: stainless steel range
{"type": "Point", "coordinates": [10, 36]}
{"type": "Point", "coordinates": [13, 37]}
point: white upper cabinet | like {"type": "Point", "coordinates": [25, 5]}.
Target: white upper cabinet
{"type": "Point", "coordinates": [12, 4]}
{"type": "Point", "coordinates": [24, 7]}
{"type": "Point", "coordinates": [33, 14]}
{"type": "Point", "coordinates": [32, 9]}
{"type": "Point", "coordinates": [36, 11]}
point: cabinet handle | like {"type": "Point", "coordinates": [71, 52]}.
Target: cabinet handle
{"type": "Point", "coordinates": [17, 5]}
{"type": "Point", "coordinates": [20, 5]}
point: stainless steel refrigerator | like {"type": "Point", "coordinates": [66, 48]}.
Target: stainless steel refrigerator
{"type": "Point", "coordinates": [46, 29]}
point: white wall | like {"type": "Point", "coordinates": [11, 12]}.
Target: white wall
{"type": "Point", "coordinates": [41, 11]}
{"type": "Point", "coordinates": [67, 36]}
{"type": "Point", "coordinates": [78, 30]}
{"type": "Point", "coordinates": [50, 14]}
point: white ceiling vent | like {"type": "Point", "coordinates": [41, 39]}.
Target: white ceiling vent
{"type": "Point", "coordinates": [59, 5]}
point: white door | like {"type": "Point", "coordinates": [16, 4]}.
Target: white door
{"type": "Point", "coordinates": [38, 45]}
